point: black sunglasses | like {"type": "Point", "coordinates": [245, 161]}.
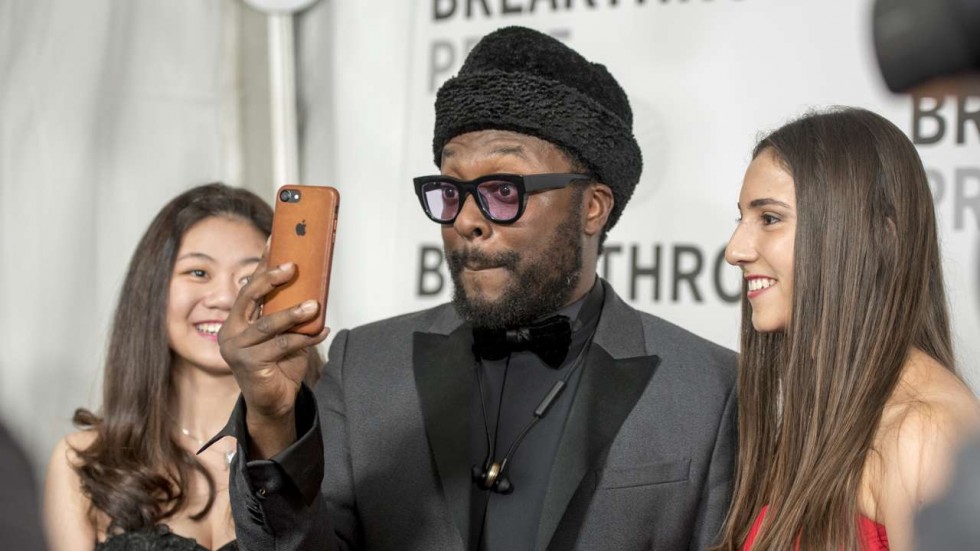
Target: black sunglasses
{"type": "Point", "coordinates": [501, 197]}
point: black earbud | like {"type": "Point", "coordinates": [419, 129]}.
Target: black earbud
{"type": "Point", "coordinates": [502, 485]}
{"type": "Point", "coordinates": [492, 477]}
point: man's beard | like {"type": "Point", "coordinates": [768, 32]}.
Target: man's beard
{"type": "Point", "coordinates": [539, 285]}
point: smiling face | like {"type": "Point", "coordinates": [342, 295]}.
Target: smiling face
{"type": "Point", "coordinates": [762, 245]}
{"type": "Point", "coordinates": [508, 274]}
{"type": "Point", "coordinates": [215, 257]}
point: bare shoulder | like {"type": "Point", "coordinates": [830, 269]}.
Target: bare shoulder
{"type": "Point", "coordinates": [62, 484]}
{"type": "Point", "coordinates": [78, 440]}
{"type": "Point", "coordinates": [68, 517]}
{"type": "Point", "coordinates": [926, 421]}
{"type": "Point", "coordinates": [65, 454]}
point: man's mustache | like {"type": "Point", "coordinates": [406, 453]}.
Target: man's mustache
{"type": "Point", "coordinates": [476, 259]}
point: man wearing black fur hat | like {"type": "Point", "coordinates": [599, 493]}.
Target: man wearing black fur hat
{"type": "Point", "coordinates": [538, 410]}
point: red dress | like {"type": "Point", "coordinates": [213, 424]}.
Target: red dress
{"type": "Point", "coordinates": [872, 534]}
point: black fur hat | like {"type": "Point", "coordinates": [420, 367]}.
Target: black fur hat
{"type": "Point", "coordinates": [525, 81]}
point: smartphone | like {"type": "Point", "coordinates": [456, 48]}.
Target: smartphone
{"type": "Point", "coordinates": [304, 228]}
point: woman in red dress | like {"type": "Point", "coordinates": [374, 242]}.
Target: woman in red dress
{"type": "Point", "coordinates": [850, 408]}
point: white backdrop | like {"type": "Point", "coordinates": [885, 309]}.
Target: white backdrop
{"type": "Point", "coordinates": [109, 108]}
{"type": "Point", "coordinates": [705, 78]}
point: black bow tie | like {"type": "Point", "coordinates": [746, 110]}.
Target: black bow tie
{"type": "Point", "coordinates": [549, 339]}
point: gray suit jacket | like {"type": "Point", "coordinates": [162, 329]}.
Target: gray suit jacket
{"type": "Point", "coordinates": [646, 459]}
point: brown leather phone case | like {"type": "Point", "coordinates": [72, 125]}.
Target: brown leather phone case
{"type": "Point", "coordinates": [303, 231]}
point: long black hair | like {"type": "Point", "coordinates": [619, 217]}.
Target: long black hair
{"type": "Point", "coordinates": [135, 471]}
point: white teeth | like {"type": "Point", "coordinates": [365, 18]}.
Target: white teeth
{"type": "Point", "coordinates": [208, 328]}
{"type": "Point", "coordinates": [759, 283]}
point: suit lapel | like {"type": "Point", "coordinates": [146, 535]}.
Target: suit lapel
{"type": "Point", "coordinates": [443, 367]}
{"type": "Point", "coordinates": [616, 374]}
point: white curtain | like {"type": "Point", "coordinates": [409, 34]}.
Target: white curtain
{"type": "Point", "coordinates": [108, 108]}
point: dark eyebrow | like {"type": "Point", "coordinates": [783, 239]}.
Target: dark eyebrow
{"type": "Point", "coordinates": [756, 203]}
{"type": "Point", "coordinates": [517, 150]}
{"type": "Point", "coordinates": [202, 256]}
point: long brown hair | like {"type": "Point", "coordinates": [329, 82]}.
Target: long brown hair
{"type": "Point", "coordinates": [135, 471]}
{"type": "Point", "coordinates": [868, 286]}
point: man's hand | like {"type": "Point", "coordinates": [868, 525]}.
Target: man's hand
{"type": "Point", "coordinates": [269, 362]}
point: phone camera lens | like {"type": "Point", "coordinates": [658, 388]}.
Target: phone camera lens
{"type": "Point", "coordinates": [284, 196]}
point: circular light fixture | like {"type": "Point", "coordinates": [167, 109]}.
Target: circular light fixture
{"type": "Point", "coordinates": [280, 6]}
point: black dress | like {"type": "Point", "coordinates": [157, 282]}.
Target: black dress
{"type": "Point", "coordinates": [158, 539]}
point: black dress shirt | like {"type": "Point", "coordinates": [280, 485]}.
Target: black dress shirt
{"type": "Point", "coordinates": [515, 385]}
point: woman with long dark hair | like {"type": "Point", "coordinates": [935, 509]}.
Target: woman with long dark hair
{"type": "Point", "coordinates": [850, 407]}
{"type": "Point", "coordinates": [130, 479]}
